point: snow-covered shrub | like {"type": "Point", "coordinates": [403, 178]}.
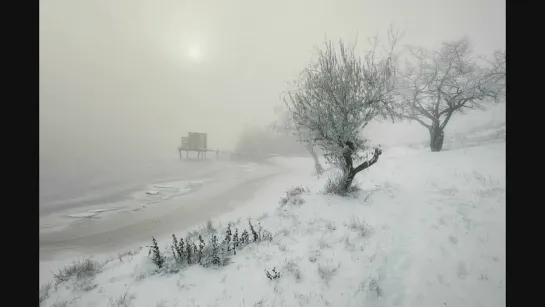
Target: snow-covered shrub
{"type": "Point", "coordinates": [178, 248]}
{"type": "Point", "coordinates": [227, 239]}
{"type": "Point", "coordinates": [292, 267]}
{"type": "Point", "coordinates": [215, 255]}
{"type": "Point", "coordinates": [293, 196]}
{"type": "Point", "coordinates": [245, 237]}
{"type": "Point", "coordinates": [156, 255]}
{"type": "Point", "coordinates": [273, 274]}
{"type": "Point", "coordinates": [189, 251]}
{"type": "Point", "coordinates": [358, 225]}
{"type": "Point", "coordinates": [335, 185]}
{"type": "Point", "coordinates": [327, 271]}
{"type": "Point", "coordinates": [201, 247]}
{"type": "Point", "coordinates": [60, 304]}
{"type": "Point", "coordinates": [44, 292]}
{"type": "Point", "coordinates": [235, 242]}
{"type": "Point", "coordinates": [266, 235]}
{"type": "Point", "coordinates": [123, 300]}
{"type": "Point", "coordinates": [87, 268]}
{"type": "Point", "coordinates": [197, 252]}
{"type": "Point", "coordinates": [255, 236]}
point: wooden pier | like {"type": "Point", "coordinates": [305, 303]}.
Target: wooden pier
{"type": "Point", "coordinates": [201, 153]}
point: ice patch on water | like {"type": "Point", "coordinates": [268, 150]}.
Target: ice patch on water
{"type": "Point", "coordinates": [83, 215]}
{"type": "Point", "coordinates": [101, 210]}
{"type": "Point", "coordinates": [248, 167]}
{"type": "Point", "coordinates": [89, 213]}
{"type": "Point", "coordinates": [158, 192]}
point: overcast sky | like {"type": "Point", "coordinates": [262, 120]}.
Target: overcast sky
{"type": "Point", "coordinates": [122, 78]}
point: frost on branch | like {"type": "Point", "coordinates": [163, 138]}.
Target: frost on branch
{"type": "Point", "coordinates": [336, 97]}
{"type": "Point", "coordinates": [437, 84]}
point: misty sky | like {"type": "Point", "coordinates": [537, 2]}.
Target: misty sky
{"type": "Point", "coordinates": [125, 78]}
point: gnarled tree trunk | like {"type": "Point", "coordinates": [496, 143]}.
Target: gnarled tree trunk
{"type": "Point", "coordinates": [350, 172]}
{"type": "Point", "coordinates": [348, 179]}
{"type": "Point", "coordinates": [437, 136]}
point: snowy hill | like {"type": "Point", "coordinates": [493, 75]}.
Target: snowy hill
{"type": "Point", "coordinates": [426, 229]}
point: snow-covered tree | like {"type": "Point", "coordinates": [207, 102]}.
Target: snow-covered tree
{"type": "Point", "coordinates": [284, 125]}
{"type": "Point", "coordinates": [437, 84]}
{"type": "Point", "coordinates": [336, 96]}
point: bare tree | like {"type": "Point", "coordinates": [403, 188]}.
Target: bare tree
{"type": "Point", "coordinates": [336, 97]}
{"type": "Point", "coordinates": [255, 141]}
{"type": "Point", "coordinates": [437, 84]}
{"type": "Point", "coordinates": [496, 72]}
{"type": "Point", "coordinates": [285, 125]}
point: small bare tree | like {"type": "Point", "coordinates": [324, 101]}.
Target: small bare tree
{"type": "Point", "coordinates": [435, 85]}
{"type": "Point", "coordinates": [284, 124]}
{"type": "Point", "coordinates": [336, 97]}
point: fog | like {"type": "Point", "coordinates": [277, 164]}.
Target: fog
{"type": "Point", "coordinates": [124, 80]}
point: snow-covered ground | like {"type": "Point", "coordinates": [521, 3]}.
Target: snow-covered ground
{"type": "Point", "coordinates": [426, 229]}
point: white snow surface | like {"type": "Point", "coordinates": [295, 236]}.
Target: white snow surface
{"type": "Point", "coordinates": [426, 229]}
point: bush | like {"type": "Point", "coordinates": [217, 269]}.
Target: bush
{"type": "Point", "coordinates": [327, 271]}
{"type": "Point", "coordinates": [358, 225]}
{"type": "Point", "coordinates": [156, 255]}
{"type": "Point", "coordinates": [293, 196]}
{"type": "Point", "coordinates": [274, 275]}
{"type": "Point", "coordinates": [44, 292]}
{"type": "Point", "coordinates": [227, 240]}
{"type": "Point", "coordinates": [201, 247]}
{"type": "Point", "coordinates": [254, 233]}
{"type": "Point", "coordinates": [335, 183]}
{"type": "Point", "coordinates": [292, 267]}
{"type": "Point", "coordinates": [245, 238]}
{"type": "Point", "coordinates": [215, 253]}
{"type": "Point", "coordinates": [215, 256]}
{"type": "Point", "coordinates": [124, 300]}
{"type": "Point", "coordinates": [178, 248]}
{"type": "Point", "coordinates": [87, 268]}
{"type": "Point", "coordinates": [189, 251]}
{"type": "Point", "coordinates": [235, 242]}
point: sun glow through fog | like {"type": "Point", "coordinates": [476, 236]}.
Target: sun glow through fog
{"type": "Point", "coordinates": [195, 53]}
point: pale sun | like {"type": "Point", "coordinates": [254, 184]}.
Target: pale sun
{"type": "Point", "coordinates": [195, 53]}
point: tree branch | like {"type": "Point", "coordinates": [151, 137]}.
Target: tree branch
{"type": "Point", "coordinates": [413, 117]}
{"type": "Point", "coordinates": [440, 90]}
{"type": "Point", "coordinates": [368, 163]}
{"type": "Point", "coordinates": [445, 122]}
{"type": "Point", "coordinates": [438, 84]}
